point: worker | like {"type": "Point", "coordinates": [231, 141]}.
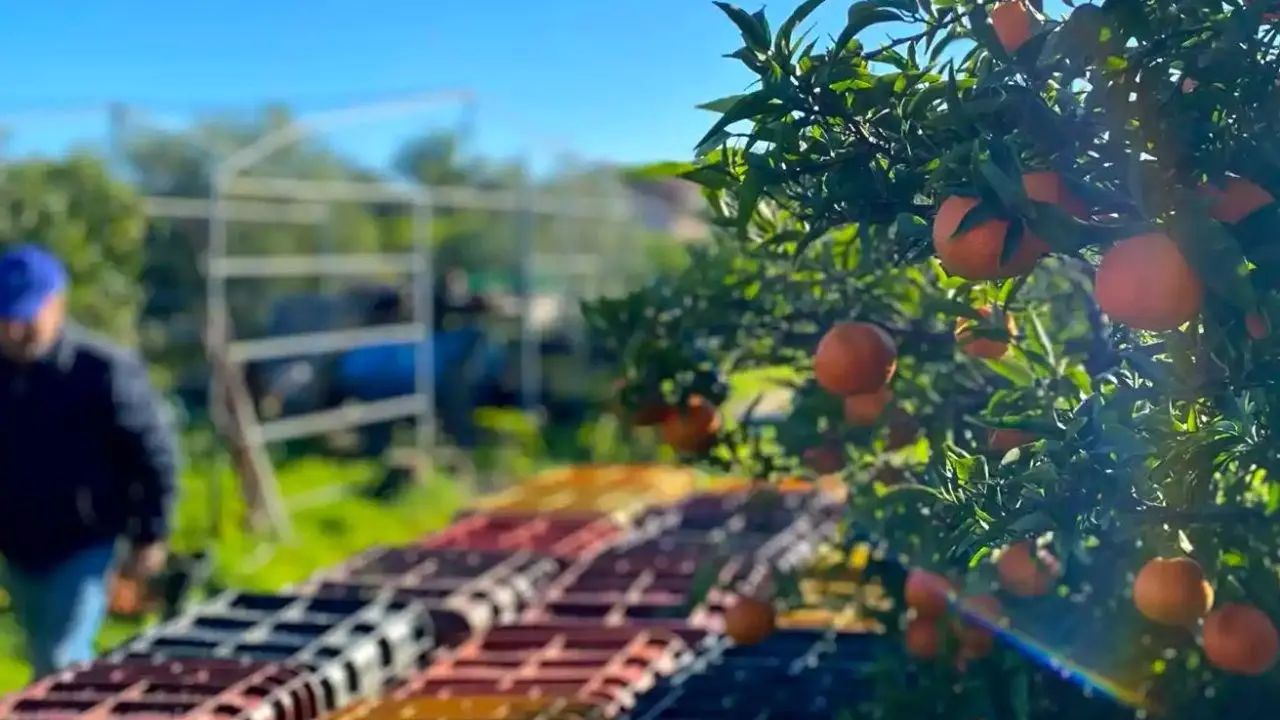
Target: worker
{"type": "Point", "coordinates": [88, 460]}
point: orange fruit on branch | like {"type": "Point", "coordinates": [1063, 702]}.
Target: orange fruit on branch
{"type": "Point", "coordinates": [1172, 591]}
{"type": "Point", "coordinates": [824, 459]}
{"type": "Point", "coordinates": [927, 592]}
{"type": "Point", "coordinates": [749, 621]}
{"type": "Point", "coordinates": [922, 637]}
{"type": "Point", "coordinates": [1012, 22]}
{"type": "Point", "coordinates": [1047, 186]}
{"type": "Point", "coordinates": [1006, 439]}
{"type": "Point", "coordinates": [833, 488]}
{"type": "Point", "coordinates": [1236, 200]}
{"type": "Point", "coordinates": [1027, 571]}
{"type": "Point", "coordinates": [650, 415]}
{"type": "Point", "coordinates": [693, 428]}
{"type": "Point", "coordinates": [1240, 639]}
{"type": "Point", "coordinates": [854, 358]}
{"type": "Point", "coordinates": [979, 347]}
{"type": "Point", "coordinates": [651, 411]}
{"type": "Point", "coordinates": [976, 253]}
{"type": "Point", "coordinates": [1257, 325]}
{"type": "Point", "coordinates": [865, 409]}
{"type": "Point", "coordinates": [976, 638]}
{"type": "Point", "coordinates": [1146, 282]}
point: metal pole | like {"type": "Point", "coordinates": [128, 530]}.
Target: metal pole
{"type": "Point", "coordinates": [530, 375]}
{"type": "Point", "coordinates": [424, 311]}
{"type": "Point", "coordinates": [329, 285]}
{"type": "Point", "coordinates": [216, 310]}
{"type": "Point", "coordinates": [579, 243]}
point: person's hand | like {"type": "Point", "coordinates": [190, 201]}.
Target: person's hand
{"type": "Point", "coordinates": [145, 561]}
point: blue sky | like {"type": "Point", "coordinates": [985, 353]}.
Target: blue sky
{"type": "Point", "coordinates": [610, 79]}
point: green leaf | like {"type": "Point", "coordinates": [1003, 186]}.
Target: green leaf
{"type": "Point", "coordinates": [906, 6]}
{"type": "Point", "coordinates": [754, 34]}
{"type": "Point", "coordinates": [748, 198]}
{"type": "Point", "coordinates": [782, 43]}
{"type": "Point", "coordinates": [941, 45]}
{"type": "Point", "coordinates": [721, 105]}
{"type": "Point", "coordinates": [704, 579]}
{"type": "Point", "coordinates": [710, 176]}
{"type": "Point", "coordinates": [863, 15]}
{"type": "Point", "coordinates": [1212, 251]}
{"type": "Point", "coordinates": [1009, 191]}
{"type": "Point", "coordinates": [1013, 237]}
{"type": "Point", "coordinates": [1013, 369]}
{"type": "Point", "coordinates": [980, 26]}
{"type": "Point", "coordinates": [954, 308]}
{"type": "Point", "coordinates": [660, 170]}
{"type": "Point", "coordinates": [1042, 336]}
{"type": "Point", "coordinates": [745, 107]}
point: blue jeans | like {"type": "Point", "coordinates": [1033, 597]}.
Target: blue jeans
{"type": "Point", "coordinates": [62, 609]}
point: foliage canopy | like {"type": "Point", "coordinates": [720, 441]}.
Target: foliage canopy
{"type": "Point", "coordinates": [1139, 131]}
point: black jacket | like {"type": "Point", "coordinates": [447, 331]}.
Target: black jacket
{"type": "Point", "coordinates": [87, 453]}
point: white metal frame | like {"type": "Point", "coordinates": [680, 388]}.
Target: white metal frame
{"type": "Point", "coordinates": [232, 188]}
{"type": "Point", "coordinates": [228, 188]}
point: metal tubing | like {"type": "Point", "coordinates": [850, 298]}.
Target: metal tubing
{"type": "Point", "coordinates": [318, 343]}
{"type": "Point", "coordinates": [341, 418]}
{"type": "Point", "coordinates": [462, 198]}
{"type": "Point", "coordinates": [423, 313]}
{"type": "Point", "coordinates": [281, 266]}
{"type": "Point", "coordinates": [176, 208]}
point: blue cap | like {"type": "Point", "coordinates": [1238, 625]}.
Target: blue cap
{"type": "Point", "coordinates": [29, 276]}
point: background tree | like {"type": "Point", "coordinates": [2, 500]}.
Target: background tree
{"type": "Point", "coordinates": [94, 222]}
{"type": "Point", "coordinates": [1093, 480]}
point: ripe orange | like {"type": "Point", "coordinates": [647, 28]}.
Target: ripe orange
{"type": "Point", "coordinates": [650, 415]}
{"type": "Point", "coordinates": [986, 348]}
{"type": "Point", "coordinates": [1172, 591]}
{"type": "Point", "coordinates": [749, 621]}
{"type": "Point", "coordinates": [1240, 639]}
{"type": "Point", "coordinates": [824, 459]}
{"type": "Point", "coordinates": [1006, 439]}
{"type": "Point", "coordinates": [976, 254]}
{"type": "Point", "coordinates": [854, 358]}
{"type": "Point", "coordinates": [1147, 283]}
{"type": "Point", "coordinates": [1257, 325]}
{"type": "Point", "coordinates": [645, 414]}
{"type": "Point", "coordinates": [833, 487]}
{"type": "Point", "coordinates": [1046, 186]}
{"type": "Point", "coordinates": [1012, 23]}
{"type": "Point", "coordinates": [927, 593]}
{"type": "Point", "coordinates": [975, 639]}
{"type": "Point", "coordinates": [692, 429]}
{"type": "Point", "coordinates": [1236, 200]}
{"type": "Point", "coordinates": [922, 637]}
{"type": "Point", "coordinates": [1027, 571]}
{"type": "Point", "coordinates": [865, 409]}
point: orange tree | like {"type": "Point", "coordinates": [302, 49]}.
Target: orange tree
{"type": "Point", "coordinates": [1022, 264]}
